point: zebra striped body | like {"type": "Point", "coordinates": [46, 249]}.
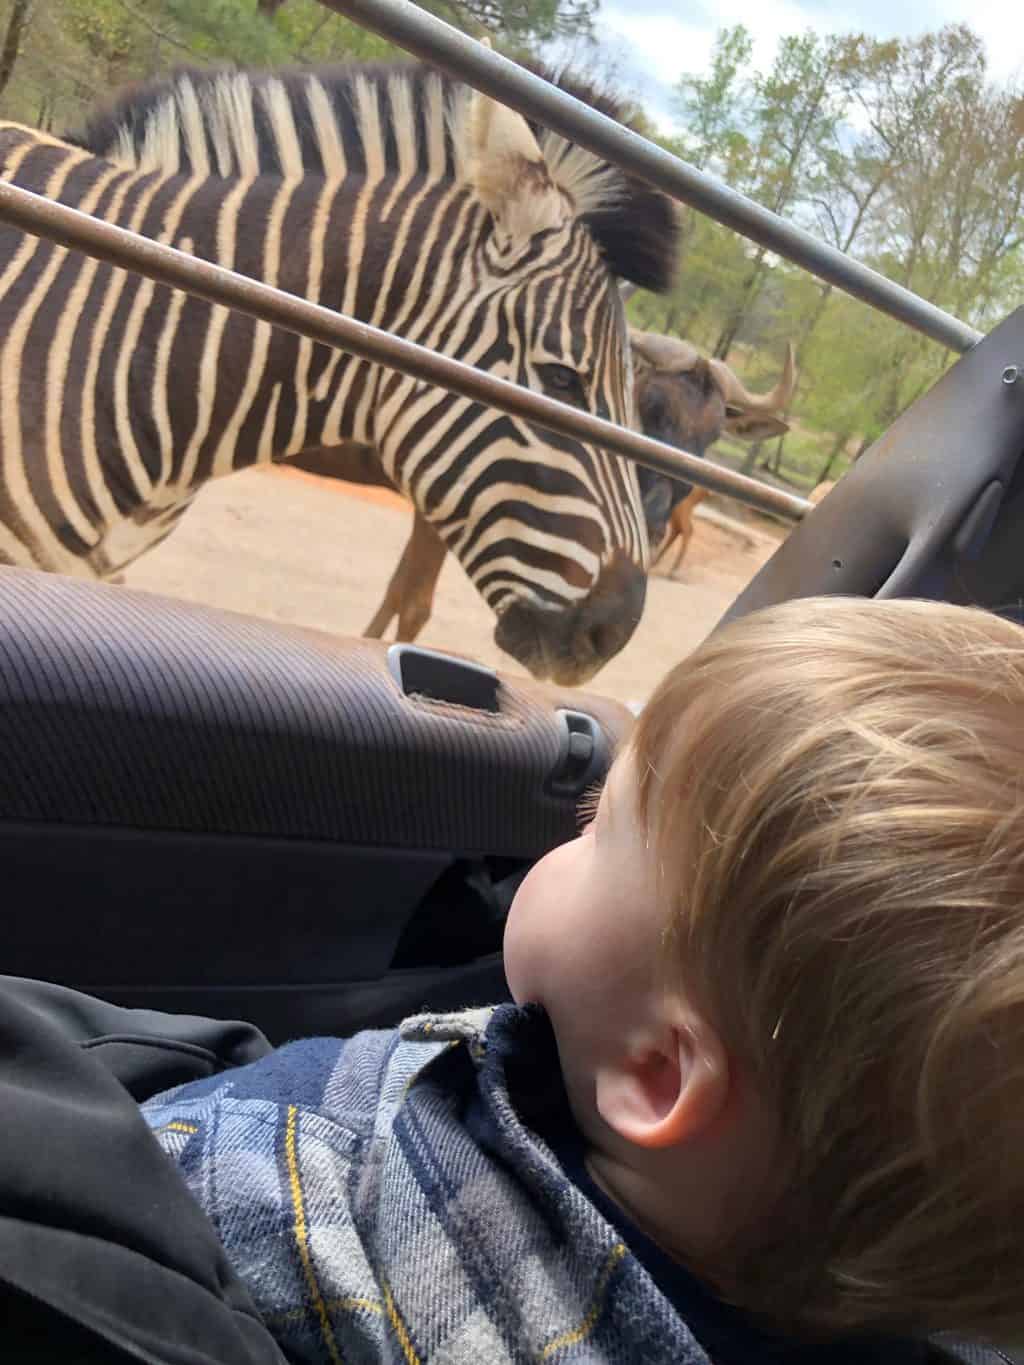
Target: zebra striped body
{"type": "Point", "coordinates": [120, 398]}
{"type": "Point", "coordinates": [426, 214]}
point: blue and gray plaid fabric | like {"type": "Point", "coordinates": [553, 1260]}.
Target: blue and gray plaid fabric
{"type": "Point", "coordinates": [383, 1201]}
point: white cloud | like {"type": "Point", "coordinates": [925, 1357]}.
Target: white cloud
{"type": "Point", "coordinates": [668, 47]}
{"type": "Point", "coordinates": [1001, 26]}
{"type": "Point", "coordinates": [668, 44]}
{"type": "Point", "coordinates": [656, 42]}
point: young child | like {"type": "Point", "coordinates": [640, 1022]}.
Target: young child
{"type": "Point", "coordinates": [761, 1097]}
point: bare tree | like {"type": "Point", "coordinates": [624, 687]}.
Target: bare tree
{"type": "Point", "coordinates": [16, 25]}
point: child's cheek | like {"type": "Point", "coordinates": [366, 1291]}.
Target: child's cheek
{"type": "Point", "coordinates": [531, 924]}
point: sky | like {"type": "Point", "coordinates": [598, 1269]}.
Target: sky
{"type": "Point", "coordinates": [653, 42]}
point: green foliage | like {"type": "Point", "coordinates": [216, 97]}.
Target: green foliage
{"type": "Point", "coordinates": [72, 54]}
{"type": "Point", "coordinates": [714, 108]}
{"type": "Point", "coordinates": [903, 153]}
{"type": "Point", "coordinates": [519, 21]}
{"type": "Point", "coordinates": [105, 31]}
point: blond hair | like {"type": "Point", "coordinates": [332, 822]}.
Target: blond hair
{"type": "Point", "coordinates": [834, 791]}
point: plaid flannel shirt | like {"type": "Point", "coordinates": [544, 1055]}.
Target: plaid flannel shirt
{"type": "Point", "coordinates": [384, 1201]}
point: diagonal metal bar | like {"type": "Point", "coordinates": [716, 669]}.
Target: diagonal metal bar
{"type": "Point", "coordinates": [116, 245]}
{"type": "Point", "coordinates": [434, 41]}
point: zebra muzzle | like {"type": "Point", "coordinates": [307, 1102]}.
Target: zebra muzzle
{"type": "Point", "coordinates": [568, 645]}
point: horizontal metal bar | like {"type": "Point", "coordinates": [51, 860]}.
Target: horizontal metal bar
{"type": "Point", "coordinates": [434, 41]}
{"type": "Point", "coordinates": [70, 227]}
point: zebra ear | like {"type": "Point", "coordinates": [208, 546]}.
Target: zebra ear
{"type": "Point", "coordinates": [509, 174]}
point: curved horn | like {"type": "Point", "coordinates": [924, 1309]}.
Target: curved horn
{"type": "Point", "coordinates": [735, 392]}
{"type": "Point", "coordinates": [668, 354]}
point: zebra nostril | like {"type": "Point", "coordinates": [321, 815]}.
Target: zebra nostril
{"type": "Point", "coordinates": [601, 640]}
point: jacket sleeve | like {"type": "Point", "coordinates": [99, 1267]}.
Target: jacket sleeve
{"type": "Point", "coordinates": [104, 1255]}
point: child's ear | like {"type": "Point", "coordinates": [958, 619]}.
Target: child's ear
{"type": "Point", "coordinates": [668, 1089]}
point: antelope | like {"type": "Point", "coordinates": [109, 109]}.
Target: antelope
{"type": "Point", "coordinates": [689, 401]}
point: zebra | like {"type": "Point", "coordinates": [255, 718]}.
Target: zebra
{"type": "Point", "coordinates": [682, 399]}
{"type": "Point", "coordinates": [390, 193]}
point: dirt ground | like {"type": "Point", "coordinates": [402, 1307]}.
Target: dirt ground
{"type": "Point", "coordinates": [292, 547]}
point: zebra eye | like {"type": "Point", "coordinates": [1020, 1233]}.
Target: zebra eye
{"type": "Point", "coordinates": [563, 382]}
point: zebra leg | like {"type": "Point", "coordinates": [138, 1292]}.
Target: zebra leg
{"type": "Point", "coordinates": [410, 594]}
{"type": "Point", "coordinates": [667, 540]}
{"type": "Point", "coordinates": [682, 524]}
{"type": "Point", "coordinates": [684, 545]}
{"type": "Point", "coordinates": [426, 558]}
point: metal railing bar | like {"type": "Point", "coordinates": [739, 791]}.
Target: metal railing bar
{"type": "Point", "coordinates": [167, 265]}
{"type": "Point", "coordinates": [434, 41]}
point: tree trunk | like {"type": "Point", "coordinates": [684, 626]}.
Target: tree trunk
{"type": "Point", "coordinates": [749, 292]}
{"type": "Point", "coordinates": [727, 335]}
{"type": "Point", "coordinates": [12, 41]}
{"type": "Point", "coordinates": [748, 464]}
{"type": "Point", "coordinates": [833, 455]}
{"type": "Point", "coordinates": [694, 309]}
{"type": "Point", "coordinates": [671, 319]}
{"type": "Point", "coordinates": [890, 407]}
{"type": "Point", "coordinates": [775, 463]}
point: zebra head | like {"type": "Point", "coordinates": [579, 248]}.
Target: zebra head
{"type": "Point", "coordinates": [550, 530]}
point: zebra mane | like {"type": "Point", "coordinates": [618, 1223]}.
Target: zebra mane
{"type": "Point", "coordinates": [370, 119]}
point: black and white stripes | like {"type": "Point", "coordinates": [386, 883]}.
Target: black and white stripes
{"type": "Point", "coordinates": [386, 193]}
